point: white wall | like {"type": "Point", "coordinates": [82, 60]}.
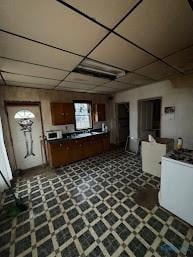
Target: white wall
{"type": "Point", "coordinates": [178, 93]}
{"type": "Point", "coordinates": [4, 163]}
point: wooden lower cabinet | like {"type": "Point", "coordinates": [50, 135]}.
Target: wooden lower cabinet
{"type": "Point", "coordinates": [68, 151]}
{"type": "Point", "coordinates": [106, 142]}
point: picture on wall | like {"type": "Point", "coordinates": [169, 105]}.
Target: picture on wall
{"type": "Point", "coordinates": [170, 109]}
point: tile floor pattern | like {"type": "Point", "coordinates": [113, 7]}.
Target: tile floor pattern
{"type": "Point", "coordinates": [87, 209]}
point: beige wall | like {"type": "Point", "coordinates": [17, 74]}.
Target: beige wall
{"type": "Point", "coordinates": [45, 97]}
{"type": "Point", "coordinates": [178, 93]}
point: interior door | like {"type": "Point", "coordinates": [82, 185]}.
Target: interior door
{"type": "Point", "coordinates": [123, 122]}
{"type": "Point", "coordinates": [145, 118]}
{"type": "Point", "coordinates": [26, 133]}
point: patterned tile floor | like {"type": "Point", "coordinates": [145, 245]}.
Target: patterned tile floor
{"type": "Point", "coordinates": [87, 209]}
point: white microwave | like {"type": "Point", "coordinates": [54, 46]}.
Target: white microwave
{"type": "Point", "coordinates": [54, 134]}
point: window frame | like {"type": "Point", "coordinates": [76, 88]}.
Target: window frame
{"type": "Point", "coordinates": [83, 102]}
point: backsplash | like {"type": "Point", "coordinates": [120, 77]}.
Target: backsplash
{"type": "Point", "coordinates": [70, 128]}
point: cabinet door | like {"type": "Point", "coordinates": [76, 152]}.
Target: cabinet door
{"type": "Point", "coordinates": [88, 148]}
{"type": "Point", "coordinates": [101, 112]}
{"type": "Point", "coordinates": [68, 110]}
{"type": "Point", "coordinates": [62, 113]}
{"type": "Point", "coordinates": [106, 142]}
{"type": "Point", "coordinates": [76, 150]}
{"type": "Point", "coordinates": [96, 145]}
{"type": "Point", "coordinates": [70, 152]}
{"type": "Point", "coordinates": [57, 151]}
{"type": "Point", "coordinates": [57, 113]}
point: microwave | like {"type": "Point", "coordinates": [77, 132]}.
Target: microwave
{"type": "Point", "coordinates": [54, 134]}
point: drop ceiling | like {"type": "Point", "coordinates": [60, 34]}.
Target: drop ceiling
{"type": "Point", "coordinates": [85, 79]}
{"type": "Point", "coordinates": [135, 79]}
{"type": "Point", "coordinates": [43, 41]}
{"type": "Point", "coordinates": [158, 71]}
{"type": "Point", "coordinates": [25, 78]}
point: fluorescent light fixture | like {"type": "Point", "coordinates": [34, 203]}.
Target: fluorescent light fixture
{"type": "Point", "coordinates": [98, 69]}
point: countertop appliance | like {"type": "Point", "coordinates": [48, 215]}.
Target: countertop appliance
{"type": "Point", "coordinates": [53, 134]}
{"type": "Point", "coordinates": [176, 188]}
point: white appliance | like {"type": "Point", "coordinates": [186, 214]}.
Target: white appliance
{"type": "Point", "coordinates": [53, 134]}
{"type": "Point", "coordinates": [176, 190]}
{"type": "Point", "coordinates": [152, 153]}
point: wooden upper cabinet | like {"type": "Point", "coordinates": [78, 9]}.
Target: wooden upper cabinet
{"type": "Point", "coordinates": [62, 113]}
{"type": "Point", "coordinates": [101, 112]}
{"type": "Point", "coordinates": [68, 113]}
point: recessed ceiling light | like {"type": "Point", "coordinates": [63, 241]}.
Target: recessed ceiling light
{"type": "Point", "coordinates": [100, 70]}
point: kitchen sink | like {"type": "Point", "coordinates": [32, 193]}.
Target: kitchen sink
{"type": "Point", "coordinates": [95, 133]}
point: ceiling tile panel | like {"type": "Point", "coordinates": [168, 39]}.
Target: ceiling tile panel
{"type": "Point", "coordinates": [75, 89]}
{"type": "Point", "coordinates": [30, 69]}
{"type": "Point", "coordinates": [182, 60]}
{"type": "Point", "coordinates": [158, 71]}
{"type": "Point", "coordinates": [108, 12]}
{"type": "Point", "coordinates": [135, 79]}
{"type": "Point", "coordinates": [106, 89]}
{"type": "Point", "coordinates": [69, 84]}
{"type": "Point", "coordinates": [161, 27]}
{"type": "Point", "coordinates": [28, 79]}
{"type": "Point", "coordinates": [117, 85]}
{"type": "Point", "coordinates": [22, 49]}
{"type": "Point", "coordinates": [85, 79]}
{"type": "Point", "coordinates": [116, 51]}
{"type": "Point", "coordinates": [27, 85]}
{"type": "Point", "coordinates": [52, 23]}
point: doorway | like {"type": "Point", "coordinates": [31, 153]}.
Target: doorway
{"type": "Point", "coordinates": [26, 131]}
{"type": "Point", "coordinates": [149, 118]}
{"type": "Point", "coordinates": [123, 122]}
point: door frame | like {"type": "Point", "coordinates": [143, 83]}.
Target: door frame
{"type": "Point", "coordinates": [24, 103]}
{"type": "Point", "coordinates": [138, 111]}
{"type": "Point", "coordinates": [117, 120]}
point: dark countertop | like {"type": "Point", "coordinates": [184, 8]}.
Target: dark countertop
{"type": "Point", "coordinates": [183, 155]}
{"type": "Point", "coordinates": [75, 136]}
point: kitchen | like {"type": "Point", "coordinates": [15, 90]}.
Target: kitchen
{"type": "Point", "coordinates": [79, 79]}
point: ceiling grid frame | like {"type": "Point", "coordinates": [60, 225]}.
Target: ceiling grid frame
{"type": "Point", "coordinates": [114, 32]}
{"type": "Point", "coordinates": [86, 56]}
{"type": "Point", "coordinates": [110, 30]}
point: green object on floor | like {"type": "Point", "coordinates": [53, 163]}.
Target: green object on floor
{"type": "Point", "coordinates": [10, 212]}
{"type": "Point", "coordinates": [19, 205]}
{"type": "Point", "coordinates": [13, 211]}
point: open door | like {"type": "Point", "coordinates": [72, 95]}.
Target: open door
{"type": "Point", "coordinates": [123, 122]}
{"type": "Point", "coordinates": [149, 118]}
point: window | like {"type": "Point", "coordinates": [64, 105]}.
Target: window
{"type": "Point", "coordinates": [24, 114]}
{"type": "Point", "coordinates": [83, 115]}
